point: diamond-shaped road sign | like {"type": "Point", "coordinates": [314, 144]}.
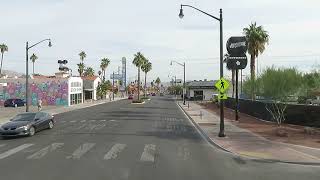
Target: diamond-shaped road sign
{"type": "Point", "coordinates": [222, 85]}
{"type": "Point", "coordinates": [222, 96]}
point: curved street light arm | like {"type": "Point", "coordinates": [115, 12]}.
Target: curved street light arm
{"type": "Point", "coordinates": [178, 63]}
{"type": "Point", "coordinates": [39, 43]}
{"type": "Point", "coordinates": [218, 19]}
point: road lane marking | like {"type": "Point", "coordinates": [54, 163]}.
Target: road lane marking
{"type": "Point", "coordinates": [114, 151]}
{"type": "Point", "coordinates": [14, 150]}
{"type": "Point", "coordinates": [45, 150]}
{"type": "Point", "coordinates": [183, 153]}
{"type": "Point", "coordinates": [103, 120]}
{"type": "Point", "coordinates": [148, 153]}
{"type": "Point", "coordinates": [83, 121]}
{"type": "Point", "coordinates": [84, 148]}
{"type": "Point", "coordinates": [93, 120]}
{"type": "Point", "coordinates": [2, 145]}
{"type": "Point", "coordinates": [73, 121]}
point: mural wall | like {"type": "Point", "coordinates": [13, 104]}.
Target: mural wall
{"type": "Point", "coordinates": [50, 91]}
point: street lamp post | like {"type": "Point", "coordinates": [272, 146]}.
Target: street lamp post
{"type": "Point", "coordinates": [184, 79]}
{"type": "Point", "coordinates": [220, 19]}
{"type": "Point", "coordinates": [27, 68]}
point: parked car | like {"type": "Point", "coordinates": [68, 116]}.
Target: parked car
{"type": "Point", "coordinates": [153, 94]}
{"type": "Point", "coordinates": [14, 103]}
{"type": "Point", "coordinates": [130, 96]}
{"type": "Point", "coordinates": [27, 124]}
{"type": "Point", "coordinates": [161, 94]}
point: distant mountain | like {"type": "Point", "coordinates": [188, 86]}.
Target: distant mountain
{"type": "Point", "coordinates": [11, 73]}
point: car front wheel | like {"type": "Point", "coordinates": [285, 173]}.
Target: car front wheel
{"type": "Point", "coordinates": [32, 131]}
{"type": "Point", "coordinates": [50, 125]}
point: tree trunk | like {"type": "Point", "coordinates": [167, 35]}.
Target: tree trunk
{"type": "Point", "coordinates": [253, 75]}
{"type": "Point", "coordinates": [232, 72]}
{"type": "Point", "coordinates": [1, 64]}
{"type": "Point", "coordinates": [138, 83]}
{"type": "Point", "coordinates": [145, 83]}
{"type": "Point", "coordinates": [104, 75]}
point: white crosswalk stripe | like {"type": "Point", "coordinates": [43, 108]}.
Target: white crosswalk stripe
{"type": "Point", "coordinates": [183, 153]}
{"type": "Point", "coordinates": [114, 151]}
{"type": "Point", "coordinates": [14, 150]}
{"type": "Point", "coordinates": [45, 150]}
{"type": "Point", "coordinates": [148, 153]}
{"type": "Point", "coordinates": [84, 148]}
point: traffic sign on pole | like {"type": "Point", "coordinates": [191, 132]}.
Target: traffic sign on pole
{"type": "Point", "coordinates": [222, 85]}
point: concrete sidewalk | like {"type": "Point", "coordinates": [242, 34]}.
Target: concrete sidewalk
{"type": "Point", "coordinates": [7, 113]}
{"type": "Point", "coordinates": [246, 143]}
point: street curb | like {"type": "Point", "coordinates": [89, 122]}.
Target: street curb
{"type": "Point", "coordinates": [203, 134]}
{"type": "Point", "coordinates": [209, 140]}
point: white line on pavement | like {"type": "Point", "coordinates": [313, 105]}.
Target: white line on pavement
{"type": "Point", "coordinates": [83, 121]}
{"type": "Point", "coordinates": [73, 121]}
{"type": "Point", "coordinates": [114, 151]}
{"type": "Point", "coordinates": [183, 153]}
{"type": "Point", "coordinates": [14, 150]}
{"type": "Point", "coordinates": [45, 150]}
{"type": "Point", "coordinates": [84, 148]}
{"type": "Point", "coordinates": [148, 153]}
{"type": "Point", "coordinates": [2, 145]}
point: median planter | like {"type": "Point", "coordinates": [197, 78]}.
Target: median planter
{"type": "Point", "coordinates": [145, 98]}
{"type": "Point", "coordinates": [138, 102]}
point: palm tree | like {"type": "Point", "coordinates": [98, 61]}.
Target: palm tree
{"type": "Point", "coordinates": [257, 39]}
{"type": "Point", "coordinates": [138, 61]}
{"type": "Point", "coordinates": [225, 60]}
{"type": "Point", "coordinates": [82, 55]}
{"type": "Point", "coordinates": [146, 67]}
{"type": "Point", "coordinates": [33, 58]}
{"type": "Point", "coordinates": [158, 81]}
{"type": "Point", "coordinates": [104, 64]}
{"type": "Point", "coordinates": [3, 48]}
{"type": "Point", "coordinates": [89, 71]}
{"type": "Point", "coordinates": [81, 69]}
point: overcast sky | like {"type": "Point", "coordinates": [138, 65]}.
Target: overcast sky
{"type": "Point", "coordinates": [120, 28]}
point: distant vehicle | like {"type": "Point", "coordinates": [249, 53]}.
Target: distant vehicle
{"type": "Point", "coordinates": [161, 94]}
{"type": "Point", "coordinates": [153, 94]}
{"type": "Point", "coordinates": [130, 96]}
{"type": "Point", "coordinates": [14, 103]}
{"type": "Point", "coordinates": [27, 124]}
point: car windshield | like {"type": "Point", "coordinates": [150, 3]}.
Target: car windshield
{"type": "Point", "coordinates": [24, 117]}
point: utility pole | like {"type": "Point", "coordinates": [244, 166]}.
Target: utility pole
{"type": "Point", "coordinates": [113, 86]}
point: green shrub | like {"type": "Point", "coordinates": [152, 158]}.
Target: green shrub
{"type": "Point", "coordinates": [138, 101]}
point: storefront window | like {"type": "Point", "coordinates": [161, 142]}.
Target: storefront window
{"type": "Point", "coordinates": [75, 98]}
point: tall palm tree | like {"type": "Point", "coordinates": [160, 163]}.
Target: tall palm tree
{"type": "Point", "coordinates": [81, 69]}
{"type": "Point", "coordinates": [89, 71]}
{"type": "Point", "coordinates": [104, 64]}
{"type": "Point", "coordinates": [257, 39]}
{"type": "Point", "coordinates": [33, 59]}
{"type": "Point", "coordinates": [3, 48]}
{"type": "Point", "coordinates": [158, 81]}
{"type": "Point", "coordinates": [146, 67]}
{"type": "Point", "coordinates": [82, 55]}
{"type": "Point", "coordinates": [225, 60]}
{"type": "Point", "coordinates": [138, 61]}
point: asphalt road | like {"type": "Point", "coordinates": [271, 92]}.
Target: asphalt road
{"type": "Point", "coordinates": [138, 142]}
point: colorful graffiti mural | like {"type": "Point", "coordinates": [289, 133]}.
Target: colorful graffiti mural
{"type": "Point", "coordinates": [51, 92]}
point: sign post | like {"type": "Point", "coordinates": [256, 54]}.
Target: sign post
{"type": "Point", "coordinates": [237, 59]}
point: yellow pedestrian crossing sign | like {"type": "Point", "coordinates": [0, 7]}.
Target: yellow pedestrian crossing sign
{"type": "Point", "coordinates": [222, 85]}
{"type": "Point", "coordinates": [223, 96]}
